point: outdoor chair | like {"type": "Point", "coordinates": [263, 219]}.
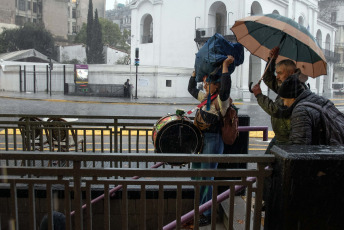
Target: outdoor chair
{"type": "Point", "coordinates": [62, 136]}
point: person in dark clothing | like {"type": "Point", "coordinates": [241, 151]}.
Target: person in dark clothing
{"type": "Point", "coordinates": [59, 221]}
{"type": "Point", "coordinates": [307, 127]}
{"type": "Point", "coordinates": [126, 88]}
{"type": "Point", "coordinates": [211, 127]}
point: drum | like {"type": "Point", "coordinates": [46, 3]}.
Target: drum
{"type": "Point", "coordinates": [176, 134]}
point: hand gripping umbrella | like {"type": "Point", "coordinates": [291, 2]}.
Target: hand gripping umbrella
{"type": "Point", "coordinates": [260, 33]}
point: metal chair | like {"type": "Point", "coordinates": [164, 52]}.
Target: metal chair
{"type": "Point", "coordinates": [58, 135]}
{"type": "Point", "coordinates": [32, 134]}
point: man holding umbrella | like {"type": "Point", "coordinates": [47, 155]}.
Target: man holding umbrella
{"type": "Point", "coordinates": [279, 118]}
{"type": "Point", "coordinates": [296, 48]}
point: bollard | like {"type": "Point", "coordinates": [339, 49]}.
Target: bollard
{"type": "Point", "coordinates": [307, 188]}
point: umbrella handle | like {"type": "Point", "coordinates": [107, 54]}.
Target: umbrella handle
{"type": "Point", "coordinates": [250, 85]}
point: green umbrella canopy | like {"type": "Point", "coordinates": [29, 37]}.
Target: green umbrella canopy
{"type": "Point", "coordinates": [260, 33]}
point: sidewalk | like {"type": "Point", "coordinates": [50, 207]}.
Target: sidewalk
{"type": "Point", "coordinates": [91, 99]}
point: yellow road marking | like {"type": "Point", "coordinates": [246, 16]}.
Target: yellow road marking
{"type": "Point", "coordinates": [271, 134]}
{"type": "Point", "coordinates": [90, 132]}
{"type": "Point", "coordinates": [258, 145]}
{"type": "Point", "coordinates": [253, 134]}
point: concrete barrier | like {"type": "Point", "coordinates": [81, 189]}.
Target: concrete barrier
{"type": "Point", "coordinates": [307, 188]}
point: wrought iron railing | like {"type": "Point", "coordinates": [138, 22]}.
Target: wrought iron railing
{"type": "Point", "coordinates": [208, 32]}
{"type": "Point", "coordinates": [331, 56]}
{"type": "Point", "coordinates": [65, 133]}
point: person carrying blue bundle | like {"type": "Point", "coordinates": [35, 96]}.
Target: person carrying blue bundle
{"type": "Point", "coordinates": [213, 53]}
{"type": "Point", "coordinates": [208, 120]}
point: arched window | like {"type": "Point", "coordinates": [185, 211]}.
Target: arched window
{"type": "Point", "coordinates": [328, 42]}
{"type": "Point", "coordinates": [301, 21]}
{"type": "Point", "coordinates": [275, 12]}
{"type": "Point", "coordinates": [147, 29]}
{"type": "Point", "coordinates": [319, 38]}
{"type": "Point", "coordinates": [256, 8]}
{"type": "Point", "coordinates": [218, 19]}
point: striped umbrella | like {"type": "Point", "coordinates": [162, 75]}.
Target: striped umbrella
{"type": "Point", "coordinates": [260, 33]}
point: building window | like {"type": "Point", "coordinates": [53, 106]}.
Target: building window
{"type": "Point", "coordinates": [74, 13]}
{"type": "Point", "coordinates": [147, 29]}
{"type": "Point", "coordinates": [333, 16]}
{"type": "Point", "coordinates": [168, 83]}
{"type": "Point", "coordinates": [21, 5]}
{"type": "Point", "coordinates": [35, 7]}
{"type": "Point", "coordinates": [74, 27]}
{"type": "Point", "coordinates": [20, 20]}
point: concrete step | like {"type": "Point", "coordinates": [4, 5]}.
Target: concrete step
{"type": "Point", "coordinates": [239, 213]}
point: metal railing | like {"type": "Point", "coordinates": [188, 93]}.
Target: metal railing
{"type": "Point", "coordinates": [208, 32]}
{"type": "Point", "coordinates": [99, 133]}
{"type": "Point", "coordinates": [120, 134]}
{"type": "Point", "coordinates": [331, 56]}
{"type": "Point", "coordinates": [72, 189]}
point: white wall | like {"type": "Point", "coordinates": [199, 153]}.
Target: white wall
{"type": "Point", "coordinates": [78, 52]}
{"type": "Point", "coordinates": [112, 55]}
{"type": "Point", "coordinates": [68, 53]}
{"type": "Point", "coordinates": [151, 80]}
{"type": "Point", "coordinates": [7, 26]}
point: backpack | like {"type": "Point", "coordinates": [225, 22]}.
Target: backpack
{"type": "Point", "coordinates": [229, 123]}
{"type": "Point", "coordinates": [332, 122]}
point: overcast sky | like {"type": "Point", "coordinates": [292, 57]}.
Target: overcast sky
{"type": "Point", "coordinates": [110, 3]}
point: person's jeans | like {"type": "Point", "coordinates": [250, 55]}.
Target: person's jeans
{"type": "Point", "coordinates": [213, 144]}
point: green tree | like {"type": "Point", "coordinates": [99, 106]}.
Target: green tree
{"type": "Point", "coordinates": [123, 43]}
{"type": "Point", "coordinates": [89, 32]}
{"type": "Point", "coordinates": [81, 36]}
{"type": "Point", "coordinates": [110, 32]}
{"type": "Point", "coordinates": [97, 41]}
{"type": "Point", "coordinates": [30, 36]}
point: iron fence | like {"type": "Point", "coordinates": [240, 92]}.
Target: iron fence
{"type": "Point", "coordinates": [133, 197]}
{"type": "Point", "coordinates": [86, 133]}
{"type": "Point", "coordinates": [59, 167]}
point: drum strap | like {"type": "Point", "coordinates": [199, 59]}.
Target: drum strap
{"type": "Point", "coordinates": [200, 105]}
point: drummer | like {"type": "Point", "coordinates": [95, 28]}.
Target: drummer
{"type": "Point", "coordinates": [207, 119]}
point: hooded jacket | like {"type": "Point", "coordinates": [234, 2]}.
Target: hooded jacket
{"type": "Point", "coordinates": [305, 121]}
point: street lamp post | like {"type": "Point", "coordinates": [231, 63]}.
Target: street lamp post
{"type": "Point", "coordinates": [137, 62]}
{"type": "Point", "coordinates": [195, 24]}
{"type": "Point", "coordinates": [228, 20]}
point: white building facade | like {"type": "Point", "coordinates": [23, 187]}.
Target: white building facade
{"type": "Point", "coordinates": [165, 32]}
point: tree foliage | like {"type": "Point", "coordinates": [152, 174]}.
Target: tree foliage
{"type": "Point", "coordinates": [94, 40]}
{"type": "Point", "coordinates": [30, 36]}
{"type": "Point", "coordinates": [97, 51]}
{"type": "Point", "coordinates": [89, 32]}
{"type": "Point", "coordinates": [111, 34]}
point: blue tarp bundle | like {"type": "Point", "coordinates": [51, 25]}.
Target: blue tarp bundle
{"type": "Point", "coordinates": [214, 52]}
